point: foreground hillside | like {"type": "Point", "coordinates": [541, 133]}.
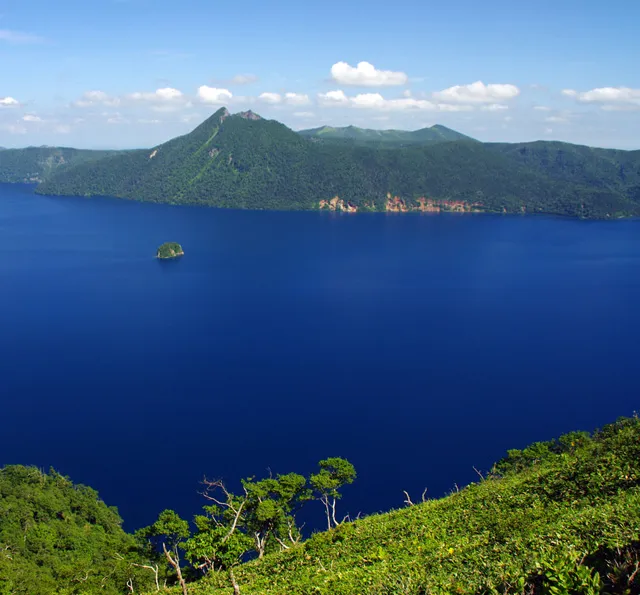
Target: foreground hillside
{"type": "Point", "coordinates": [558, 517]}
{"type": "Point", "coordinates": [243, 161]}
{"type": "Point", "coordinates": [33, 164]}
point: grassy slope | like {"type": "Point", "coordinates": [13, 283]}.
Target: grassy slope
{"type": "Point", "coordinates": [500, 535]}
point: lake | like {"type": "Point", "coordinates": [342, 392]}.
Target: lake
{"type": "Point", "coordinates": [416, 346]}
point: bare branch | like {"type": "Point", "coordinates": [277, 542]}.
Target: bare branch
{"type": "Point", "coordinates": [408, 501]}
{"type": "Point", "coordinates": [480, 474]}
{"type": "Point", "coordinates": [236, 586]}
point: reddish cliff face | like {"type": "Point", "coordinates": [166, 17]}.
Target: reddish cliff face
{"type": "Point", "coordinates": [337, 204]}
{"type": "Point", "coordinates": [395, 204]}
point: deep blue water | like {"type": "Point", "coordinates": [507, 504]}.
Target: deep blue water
{"type": "Point", "coordinates": [417, 346]}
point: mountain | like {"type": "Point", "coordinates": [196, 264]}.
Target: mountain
{"type": "Point", "coordinates": [435, 134]}
{"type": "Point", "coordinates": [33, 164]}
{"type": "Point", "coordinates": [244, 161]}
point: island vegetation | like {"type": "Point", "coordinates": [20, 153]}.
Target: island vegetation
{"type": "Point", "coordinates": [243, 161]}
{"type": "Point", "coordinates": [169, 250]}
{"type": "Point", "coordinates": [558, 517]}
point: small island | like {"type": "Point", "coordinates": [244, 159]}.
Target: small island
{"type": "Point", "coordinates": [169, 250]}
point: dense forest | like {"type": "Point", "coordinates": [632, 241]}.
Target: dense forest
{"type": "Point", "coordinates": [558, 517]}
{"type": "Point", "coordinates": [243, 161]}
{"type": "Point", "coordinates": [385, 138]}
{"type": "Point", "coordinates": [33, 164]}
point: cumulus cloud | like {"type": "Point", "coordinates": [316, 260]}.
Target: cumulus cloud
{"type": "Point", "coordinates": [271, 98]}
{"type": "Point", "coordinates": [31, 118]}
{"type": "Point", "coordinates": [477, 92]}
{"type": "Point", "coordinates": [333, 98]}
{"type": "Point", "coordinates": [19, 37]}
{"type": "Point", "coordinates": [164, 94]}
{"type": "Point", "coordinates": [366, 75]}
{"type": "Point", "coordinates": [214, 95]}
{"type": "Point", "coordinates": [608, 97]}
{"type": "Point", "coordinates": [375, 101]}
{"type": "Point", "coordinates": [296, 99]}
{"type": "Point", "coordinates": [9, 102]}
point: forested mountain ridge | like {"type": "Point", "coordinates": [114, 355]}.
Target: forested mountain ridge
{"type": "Point", "coordinates": [242, 161]}
{"type": "Point", "coordinates": [432, 135]}
{"type": "Point", "coordinates": [33, 164]}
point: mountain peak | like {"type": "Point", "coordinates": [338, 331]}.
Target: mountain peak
{"type": "Point", "coordinates": [249, 115]}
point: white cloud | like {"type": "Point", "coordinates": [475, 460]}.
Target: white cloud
{"type": "Point", "coordinates": [304, 114]}
{"type": "Point", "coordinates": [375, 101]}
{"type": "Point", "coordinates": [296, 99]}
{"type": "Point", "coordinates": [144, 121]}
{"type": "Point", "coordinates": [608, 97]}
{"type": "Point", "coordinates": [62, 129]}
{"type": "Point", "coordinates": [92, 98]}
{"type": "Point", "coordinates": [165, 94]}
{"type": "Point", "coordinates": [548, 130]}
{"type": "Point", "coordinates": [243, 79]}
{"type": "Point", "coordinates": [331, 98]}
{"type": "Point", "coordinates": [366, 75]}
{"type": "Point", "coordinates": [271, 98]}
{"type": "Point", "coordinates": [19, 37]}
{"type": "Point", "coordinates": [214, 95]}
{"type": "Point", "coordinates": [477, 92]}
{"type": "Point", "coordinates": [556, 119]}
{"type": "Point", "coordinates": [31, 118]}
{"type": "Point", "coordinates": [9, 102]}
{"type": "Point", "coordinates": [494, 107]}
{"type": "Point", "coordinates": [541, 108]}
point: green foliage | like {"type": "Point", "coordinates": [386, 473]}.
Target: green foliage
{"type": "Point", "coordinates": [334, 473]}
{"type": "Point", "coordinates": [239, 162]}
{"type": "Point", "coordinates": [33, 164]}
{"type": "Point", "coordinates": [564, 521]}
{"type": "Point", "coordinates": [169, 250]}
{"type": "Point", "coordinates": [56, 537]}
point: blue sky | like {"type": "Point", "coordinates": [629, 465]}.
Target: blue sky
{"type": "Point", "coordinates": [134, 73]}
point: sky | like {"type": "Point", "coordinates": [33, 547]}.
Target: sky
{"type": "Point", "coordinates": [135, 73]}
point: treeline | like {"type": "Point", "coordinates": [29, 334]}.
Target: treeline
{"type": "Point", "coordinates": [230, 161]}
{"type": "Point", "coordinates": [56, 537]}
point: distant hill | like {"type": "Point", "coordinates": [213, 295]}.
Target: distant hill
{"type": "Point", "coordinates": [434, 134]}
{"type": "Point", "coordinates": [33, 164]}
{"type": "Point", "coordinates": [244, 161]}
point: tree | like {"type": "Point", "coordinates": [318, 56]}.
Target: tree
{"type": "Point", "coordinates": [334, 473]}
{"type": "Point", "coordinates": [170, 531]}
